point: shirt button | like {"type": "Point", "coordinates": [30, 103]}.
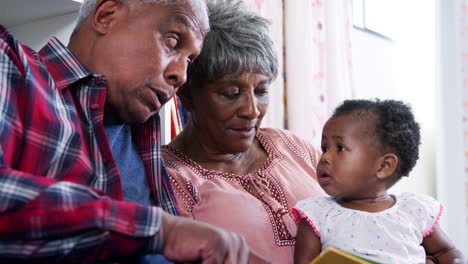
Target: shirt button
{"type": "Point", "coordinates": [94, 106]}
{"type": "Point", "coordinates": [132, 228]}
{"type": "Point", "coordinates": [106, 160]}
{"type": "Point", "coordinates": [98, 80]}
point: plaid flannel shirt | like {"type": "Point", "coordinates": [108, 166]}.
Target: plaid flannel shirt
{"type": "Point", "coordinates": [60, 191]}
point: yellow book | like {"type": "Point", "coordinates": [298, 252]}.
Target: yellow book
{"type": "Point", "coordinates": [332, 255]}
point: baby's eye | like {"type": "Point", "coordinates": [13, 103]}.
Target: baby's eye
{"type": "Point", "coordinates": [340, 148]}
{"type": "Point", "coordinates": [324, 149]}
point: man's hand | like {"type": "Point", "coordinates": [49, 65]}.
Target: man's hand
{"type": "Point", "coordinates": [186, 240]}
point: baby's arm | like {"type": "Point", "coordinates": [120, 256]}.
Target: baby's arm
{"type": "Point", "coordinates": [438, 245]}
{"type": "Point", "coordinates": [308, 244]}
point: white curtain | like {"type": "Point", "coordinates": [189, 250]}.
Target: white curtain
{"type": "Point", "coordinates": [312, 39]}
{"type": "Point", "coordinates": [273, 11]}
{"type": "Point", "coordinates": [317, 62]}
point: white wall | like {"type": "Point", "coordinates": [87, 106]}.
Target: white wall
{"type": "Point", "coordinates": [37, 33]}
{"type": "Point", "coordinates": [450, 141]}
{"type": "Point", "coordinates": [416, 70]}
{"type": "Point", "coordinates": [383, 69]}
{"type": "Point", "coordinates": [374, 65]}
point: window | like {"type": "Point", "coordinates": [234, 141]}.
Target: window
{"type": "Point", "coordinates": [379, 17]}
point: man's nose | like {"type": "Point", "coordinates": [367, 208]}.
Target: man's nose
{"type": "Point", "coordinates": [176, 72]}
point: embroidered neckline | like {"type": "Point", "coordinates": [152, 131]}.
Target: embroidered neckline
{"type": "Point", "coordinates": [273, 157]}
{"type": "Point", "coordinates": [281, 234]}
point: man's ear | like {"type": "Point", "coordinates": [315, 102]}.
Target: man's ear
{"type": "Point", "coordinates": [105, 14]}
{"type": "Point", "coordinates": [185, 95]}
{"type": "Point", "coordinates": [388, 165]}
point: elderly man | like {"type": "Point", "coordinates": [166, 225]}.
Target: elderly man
{"type": "Point", "coordinates": [80, 165]}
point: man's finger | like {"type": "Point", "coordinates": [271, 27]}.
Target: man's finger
{"type": "Point", "coordinates": [255, 258]}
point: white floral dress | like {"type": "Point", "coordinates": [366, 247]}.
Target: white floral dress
{"type": "Point", "coordinates": [390, 236]}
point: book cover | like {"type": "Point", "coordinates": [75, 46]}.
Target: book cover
{"type": "Point", "coordinates": [333, 255]}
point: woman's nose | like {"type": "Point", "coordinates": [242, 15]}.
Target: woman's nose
{"type": "Point", "coordinates": [249, 107]}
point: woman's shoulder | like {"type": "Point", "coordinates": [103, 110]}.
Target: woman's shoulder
{"type": "Point", "coordinates": [289, 142]}
{"type": "Point", "coordinates": [281, 136]}
{"type": "Point", "coordinates": [177, 162]}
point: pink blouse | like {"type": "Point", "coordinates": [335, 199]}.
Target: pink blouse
{"type": "Point", "coordinates": [226, 200]}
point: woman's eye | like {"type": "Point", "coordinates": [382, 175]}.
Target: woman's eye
{"type": "Point", "coordinates": [324, 149]}
{"type": "Point", "coordinates": [231, 95]}
{"type": "Point", "coordinates": [262, 92]}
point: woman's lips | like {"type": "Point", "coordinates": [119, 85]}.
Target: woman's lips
{"type": "Point", "coordinates": [244, 132]}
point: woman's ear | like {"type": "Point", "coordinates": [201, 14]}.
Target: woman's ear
{"type": "Point", "coordinates": [388, 165]}
{"type": "Point", "coordinates": [105, 15]}
{"type": "Point", "coordinates": [185, 95]}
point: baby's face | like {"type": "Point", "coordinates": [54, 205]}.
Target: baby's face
{"type": "Point", "coordinates": [350, 157]}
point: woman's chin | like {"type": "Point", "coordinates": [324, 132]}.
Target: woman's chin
{"type": "Point", "coordinates": [240, 147]}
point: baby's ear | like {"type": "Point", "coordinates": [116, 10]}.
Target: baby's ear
{"type": "Point", "coordinates": [388, 165]}
{"type": "Point", "coordinates": [185, 96]}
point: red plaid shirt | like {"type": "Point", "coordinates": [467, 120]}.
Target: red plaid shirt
{"type": "Point", "coordinates": [60, 191]}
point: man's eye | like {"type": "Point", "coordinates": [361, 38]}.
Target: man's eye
{"type": "Point", "coordinates": [172, 42]}
{"type": "Point", "coordinates": [340, 148]}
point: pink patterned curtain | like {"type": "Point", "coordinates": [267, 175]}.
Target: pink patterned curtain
{"type": "Point", "coordinates": [273, 11]}
{"type": "Point", "coordinates": [314, 38]}
{"type": "Point", "coordinates": [317, 61]}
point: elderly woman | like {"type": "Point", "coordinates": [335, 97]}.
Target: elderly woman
{"type": "Point", "coordinates": [225, 169]}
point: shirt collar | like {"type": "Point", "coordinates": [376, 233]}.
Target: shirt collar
{"type": "Point", "coordinates": [62, 64]}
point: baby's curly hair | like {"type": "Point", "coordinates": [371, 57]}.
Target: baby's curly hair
{"type": "Point", "coordinates": [396, 130]}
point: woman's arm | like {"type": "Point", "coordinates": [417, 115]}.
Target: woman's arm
{"type": "Point", "coordinates": [439, 245]}
{"type": "Point", "coordinates": [308, 244]}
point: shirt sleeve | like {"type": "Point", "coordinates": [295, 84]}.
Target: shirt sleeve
{"type": "Point", "coordinates": [424, 210]}
{"type": "Point", "coordinates": [307, 209]}
{"type": "Point", "coordinates": [45, 220]}
{"type": "Point", "coordinates": [49, 220]}
{"type": "Point", "coordinates": [186, 191]}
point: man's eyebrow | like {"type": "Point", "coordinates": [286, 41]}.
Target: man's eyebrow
{"type": "Point", "coordinates": [182, 19]}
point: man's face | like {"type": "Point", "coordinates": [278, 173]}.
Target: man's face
{"type": "Point", "coordinates": [144, 56]}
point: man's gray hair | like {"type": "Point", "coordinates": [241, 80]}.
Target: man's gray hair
{"type": "Point", "coordinates": [198, 6]}
{"type": "Point", "coordinates": [237, 42]}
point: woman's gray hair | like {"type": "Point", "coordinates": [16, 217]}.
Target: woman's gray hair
{"type": "Point", "coordinates": [238, 41]}
{"type": "Point", "coordinates": [198, 6]}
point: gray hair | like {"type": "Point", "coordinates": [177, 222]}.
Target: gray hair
{"type": "Point", "coordinates": [198, 6]}
{"type": "Point", "coordinates": [238, 41]}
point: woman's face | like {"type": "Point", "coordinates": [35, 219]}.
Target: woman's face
{"type": "Point", "coordinates": [226, 113]}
